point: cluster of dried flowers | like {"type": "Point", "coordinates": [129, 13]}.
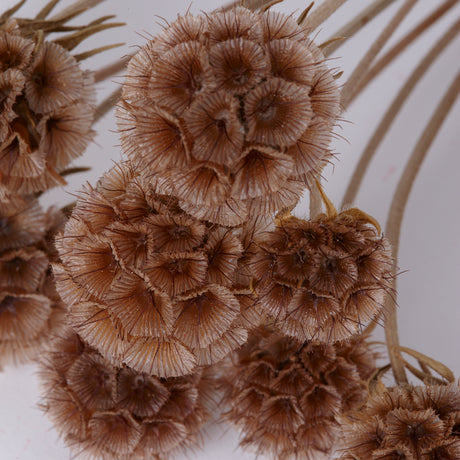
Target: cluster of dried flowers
{"type": "Point", "coordinates": [110, 412]}
{"type": "Point", "coordinates": [323, 279]}
{"type": "Point", "coordinates": [406, 423]}
{"type": "Point", "coordinates": [175, 258]}
{"type": "Point", "coordinates": [235, 111]}
{"type": "Point", "coordinates": [46, 114]}
{"type": "Point", "coordinates": [285, 395]}
{"type": "Point", "coordinates": [147, 284]}
{"type": "Point", "coordinates": [46, 110]}
{"type": "Point", "coordinates": [29, 304]}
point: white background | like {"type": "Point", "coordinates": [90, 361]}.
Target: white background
{"type": "Point", "coordinates": [429, 309]}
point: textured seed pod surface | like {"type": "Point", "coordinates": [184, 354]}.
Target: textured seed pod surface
{"type": "Point", "coordinates": [106, 412]}
{"type": "Point", "coordinates": [149, 285]}
{"type": "Point", "coordinates": [285, 396]}
{"type": "Point", "coordinates": [406, 423]}
{"type": "Point", "coordinates": [46, 111]}
{"type": "Point", "coordinates": [323, 280]}
{"type": "Point", "coordinates": [235, 108]}
{"type": "Point", "coordinates": [29, 304]}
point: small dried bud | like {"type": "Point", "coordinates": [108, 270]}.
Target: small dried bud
{"type": "Point", "coordinates": [29, 304]}
{"type": "Point", "coordinates": [234, 108]}
{"type": "Point", "coordinates": [322, 280]}
{"type": "Point", "coordinates": [285, 397]}
{"type": "Point", "coordinates": [107, 412]}
{"type": "Point", "coordinates": [149, 285]}
{"type": "Point", "coordinates": [406, 423]}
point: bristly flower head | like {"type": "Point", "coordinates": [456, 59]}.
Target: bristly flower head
{"type": "Point", "coordinates": [107, 412]}
{"type": "Point", "coordinates": [149, 285]}
{"type": "Point", "coordinates": [29, 304]}
{"type": "Point", "coordinates": [235, 108]}
{"type": "Point", "coordinates": [325, 279]}
{"type": "Point", "coordinates": [406, 423]}
{"type": "Point", "coordinates": [46, 99]}
{"type": "Point", "coordinates": [285, 397]}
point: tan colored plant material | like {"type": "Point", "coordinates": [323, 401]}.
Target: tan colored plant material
{"type": "Point", "coordinates": [234, 108]}
{"type": "Point", "coordinates": [46, 99]}
{"type": "Point", "coordinates": [322, 280]}
{"type": "Point", "coordinates": [147, 284]}
{"type": "Point", "coordinates": [106, 412]}
{"type": "Point", "coordinates": [29, 304]}
{"type": "Point", "coordinates": [285, 396]}
{"type": "Point", "coordinates": [406, 423]}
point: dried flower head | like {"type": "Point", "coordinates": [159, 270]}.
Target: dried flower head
{"type": "Point", "coordinates": [149, 285]}
{"type": "Point", "coordinates": [285, 396]}
{"type": "Point", "coordinates": [46, 99]}
{"type": "Point", "coordinates": [108, 412]}
{"type": "Point", "coordinates": [29, 304]}
{"type": "Point", "coordinates": [406, 423]}
{"type": "Point", "coordinates": [325, 279]}
{"type": "Point", "coordinates": [233, 108]}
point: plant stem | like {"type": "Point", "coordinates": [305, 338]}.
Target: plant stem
{"type": "Point", "coordinates": [399, 47]}
{"type": "Point", "coordinates": [318, 15]}
{"type": "Point", "coordinates": [111, 69]}
{"type": "Point", "coordinates": [107, 104]}
{"type": "Point", "coordinates": [396, 213]}
{"type": "Point", "coordinates": [357, 23]}
{"type": "Point", "coordinates": [359, 72]}
{"type": "Point", "coordinates": [391, 113]}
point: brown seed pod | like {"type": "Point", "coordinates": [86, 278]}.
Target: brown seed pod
{"type": "Point", "coordinates": [322, 280]}
{"type": "Point", "coordinates": [285, 397]}
{"type": "Point", "coordinates": [147, 284]}
{"type": "Point", "coordinates": [46, 99]}
{"type": "Point", "coordinates": [231, 83]}
{"type": "Point", "coordinates": [106, 412]}
{"type": "Point", "coordinates": [405, 422]}
{"type": "Point", "coordinates": [29, 305]}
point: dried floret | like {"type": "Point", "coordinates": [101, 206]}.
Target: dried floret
{"type": "Point", "coordinates": [323, 280]}
{"type": "Point", "coordinates": [405, 422]}
{"type": "Point", "coordinates": [285, 397]}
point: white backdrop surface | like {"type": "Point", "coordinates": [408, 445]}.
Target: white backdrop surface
{"type": "Point", "coordinates": [429, 288]}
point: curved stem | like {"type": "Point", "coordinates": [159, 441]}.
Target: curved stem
{"type": "Point", "coordinates": [107, 104]}
{"type": "Point", "coordinates": [357, 23]}
{"type": "Point", "coordinates": [315, 201]}
{"type": "Point", "coordinates": [390, 115]}
{"type": "Point", "coordinates": [396, 213]}
{"type": "Point", "coordinates": [359, 72]}
{"type": "Point", "coordinates": [318, 15]}
{"type": "Point", "coordinates": [399, 47]}
{"type": "Point", "coordinates": [112, 69]}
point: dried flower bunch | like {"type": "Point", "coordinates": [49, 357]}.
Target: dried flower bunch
{"type": "Point", "coordinates": [285, 396]}
{"type": "Point", "coordinates": [406, 423]}
{"type": "Point", "coordinates": [46, 99]}
{"type": "Point", "coordinates": [106, 412]}
{"type": "Point", "coordinates": [323, 279]}
{"type": "Point", "coordinates": [29, 304]}
{"type": "Point", "coordinates": [234, 108]}
{"type": "Point", "coordinates": [148, 285]}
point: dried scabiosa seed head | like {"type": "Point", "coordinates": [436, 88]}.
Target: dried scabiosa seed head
{"type": "Point", "coordinates": [46, 100]}
{"type": "Point", "coordinates": [29, 304]}
{"type": "Point", "coordinates": [406, 423]}
{"type": "Point", "coordinates": [149, 285]}
{"type": "Point", "coordinates": [102, 411]}
{"type": "Point", "coordinates": [239, 105]}
{"type": "Point", "coordinates": [325, 279]}
{"type": "Point", "coordinates": [285, 396]}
